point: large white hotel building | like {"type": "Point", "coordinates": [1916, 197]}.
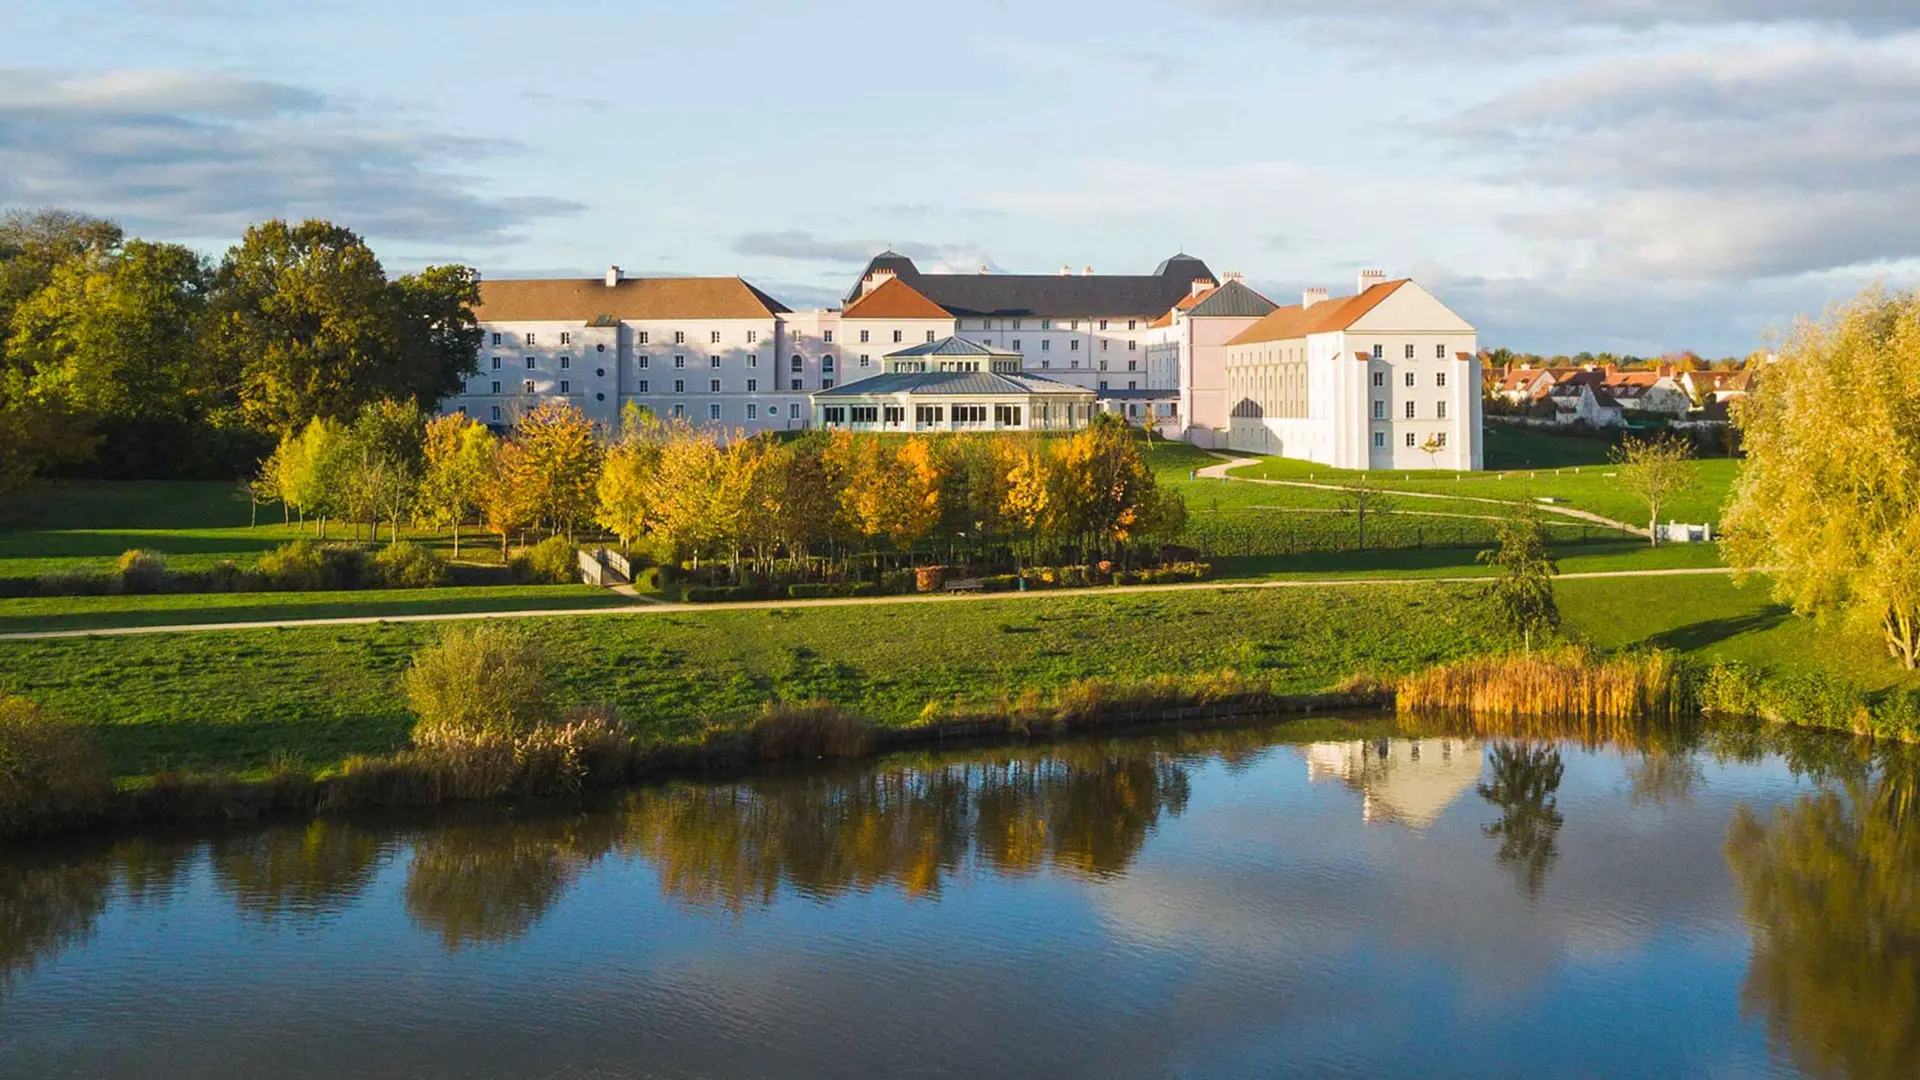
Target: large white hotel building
{"type": "Point", "coordinates": [1386, 378]}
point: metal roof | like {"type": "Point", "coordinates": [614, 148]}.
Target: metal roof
{"type": "Point", "coordinates": [966, 383]}
{"type": "Point", "coordinates": [1063, 296]}
{"type": "Point", "coordinates": [1232, 300]}
{"type": "Point", "coordinates": [951, 346]}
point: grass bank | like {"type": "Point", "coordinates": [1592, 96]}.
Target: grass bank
{"type": "Point", "coordinates": [33, 614]}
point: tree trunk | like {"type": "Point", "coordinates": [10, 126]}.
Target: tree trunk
{"type": "Point", "coordinates": [1903, 637]}
{"type": "Point", "coordinates": [456, 538]}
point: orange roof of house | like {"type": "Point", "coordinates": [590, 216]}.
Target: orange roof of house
{"type": "Point", "coordinates": [895, 299]}
{"type": "Point", "coordinates": [1633, 378]}
{"type": "Point", "coordinates": [587, 299]}
{"type": "Point", "coordinates": [1327, 316]}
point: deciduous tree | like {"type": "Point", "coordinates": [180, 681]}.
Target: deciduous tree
{"type": "Point", "coordinates": [1523, 588]}
{"type": "Point", "coordinates": [1657, 471]}
{"type": "Point", "coordinates": [459, 455]}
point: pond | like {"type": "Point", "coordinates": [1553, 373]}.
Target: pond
{"type": "Point", "coordinates": [1324, 899]}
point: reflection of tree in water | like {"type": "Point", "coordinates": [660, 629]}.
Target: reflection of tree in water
{"type": "Point", "coordinates": [1831, 888]}
{"type": "Point", "coordinates": [298, 870]}
{"type": "Point", "coordinates": [1524, 785]}
{"type": "Point", "coordinates": [491, 880]}
{"type": "Point", "coordinates": [1083, 810]}
{"type": "Point", "coordinates": [1662, 776]}
{"type": "Point", "coordinates": [50, 902]}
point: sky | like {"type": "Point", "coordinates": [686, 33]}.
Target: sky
{"type": "Point", "coordinates": [1607, 175]}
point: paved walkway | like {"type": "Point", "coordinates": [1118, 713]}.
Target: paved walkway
{"type": "Point", "coordinates": [663, 608]}
{"type": "Point", "coordinates": [1219, 472]}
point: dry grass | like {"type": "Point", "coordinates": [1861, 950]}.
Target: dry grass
{"type": "Point", "coordinates": [812, 729]}
{"type": "Point", "coordinates": [1571, 684]}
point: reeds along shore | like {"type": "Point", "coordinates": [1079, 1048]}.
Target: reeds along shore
{"type": "Point", "coordinates": [588, 749]}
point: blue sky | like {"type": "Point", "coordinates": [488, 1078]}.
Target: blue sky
{"type": "Point", "coordinates": [1636, 175]}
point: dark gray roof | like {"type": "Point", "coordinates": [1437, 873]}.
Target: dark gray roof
{"type": "Point", "coordinates": [950, 346]}
{"type": "Point", "coordinates": [951, 382]}
{"type": "Point", "coordinates": [1060, 296]}
{"type": "Point", "coordinates": [1232, 300]}
{"type": "Point", "coordinates": [1138, 395]}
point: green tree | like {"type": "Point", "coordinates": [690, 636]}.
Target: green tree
{"type": "Point", "coordinates": [621, 490]}
{"type": "Point", "coordinates": [1657, 471]}
{"type": "Point", "coordinates": [1828, 503]}
{"type": "Point", "coordinates": [1523, 588]}
{"type": "Point", "coordinates": [34, 244]}
{"type": "Point", "coordinates": [385, 447]}
{"type": "Point", "coordinates": [458, 456]}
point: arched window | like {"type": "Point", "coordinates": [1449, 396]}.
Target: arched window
{"type": "Point", "coordinates": [796, 362]}
{"type": "Point", "coordinates": [826, 363]}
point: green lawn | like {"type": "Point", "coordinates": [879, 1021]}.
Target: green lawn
{"type": "Point", "coordinates": [1523, 465]}
{"type": "Point", "coordinates": [101, 612]}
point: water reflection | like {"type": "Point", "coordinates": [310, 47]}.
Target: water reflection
{"type": "Point", "coordinates": [488, 879]}
{"type": "Point", "coordinates": [1524, 782]}
{"type": "Point", "coordinates": [297, 870]}
{"type": "Point", "coordinates": [1831, 888]}
{"type": "Point", "coordinates": [1400, 781]}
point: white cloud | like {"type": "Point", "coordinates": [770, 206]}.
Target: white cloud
{"type": "Point", "coordinates": [1631, 14]}
{"type": "Point", "coordinates": [184, 154]}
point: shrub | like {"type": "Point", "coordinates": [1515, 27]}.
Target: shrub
{"type": "Point", "coordinates": [51, 770]}
{"type": "Point", "coordinates": [893, 582]}
{"type": "Point", "coordinates": [809, 729]}
{"type": "Point", "coordinates": [649, 579]}
{"type": "Point", "coordinates": [228, 577]}
{"type": "Point", "coordinates": [306, 566]}
{"type": "Point", "coordinates": [76, 583]}
{"type": "Point", "coordinates": [407, 565]}
{"type": "Point", "coordinates": [1000, 582]}
{"type": "Point", "coordinates": [477, 684]}
{"type": "Point", "coordinates": [819, 589]}
{"type": "Point", "coordinates": [721, 594]}
{"type": "Point", "coordinates": [553, 561]}
{"type": "Point", "coordinates": [929, 578]}
{"type": "Point", "coordinates": [141, 571]}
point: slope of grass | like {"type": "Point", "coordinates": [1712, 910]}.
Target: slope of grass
{"type": "Point", "coordinates": [101, 612]}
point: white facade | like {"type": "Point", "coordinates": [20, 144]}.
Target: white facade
{"type": "Point", "coordinates": [1388, 379]}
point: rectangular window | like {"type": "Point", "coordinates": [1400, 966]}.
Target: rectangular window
{"type": "Point", "coordinates": [1379, 378]}
{"type": "Point", "coordinates": [969, 414]}
{"type": "Point", "coordinates": [1016, 324]}
{"type": "Point", "coordinates": [1440, 411]}
{"type": "Point", "coordinates": [566, 338]}
{"type": "Point", "coordinates": [713, 361]}
{"type": "Point", "coordinates": [1409, 378]}
{"type": "Point", "coordinates": [753, 386]}
{"type": "Point", "coordinates": [1409, 410]}
{"type": "Point", "coordinates": [929, 337]}
{"type": "Point", "coordinates": [679, 361]}
{"type": "Point", "coordinates": [793, 410]}
{"type": "Point", "coordinates": [826, 384]}
{"type": "Point", "coordinates": [753, 359]}
{"type": "Point", "coordinates": [1133, 346]}
{"type": "Point", "coordinates": [1379, 352]}
{"type": "Point", "coordinates": [1046, 344]}
{"type": "Point", "coordinates": [642, 339]}
{"type": "Point", "coordinates": [529, 338]}
{"type": "Point", "coordinates": [1103, 384]}
{"type": "Point", "coordinates": [1074, 345]}
{"type": "Point", "coordinates": [679, 386]}
{"type": "Point", "coordinates": [643, 386]}
{"type": "Point", "coordinates": [530, 363]}
{"type": "Point", "coordinates": [1379, 410]}
{"type": "Point", "coordinates": [1133, 365]}
{"type": "Point", "coordinates": [1103, 365]}
{"type": "Point", "coordinates": [833, 414]}
{"type": "Point", "coordinates": [1133, 384]}
{"type": "Point", "coordinates": [713, 412]}
{"type": "Point", "coordinates": [496, 386]}
{"type": "Point", "coordinates": [1104, 343]}
{"type": "Point", "coordinates": [796, 384]}
{"type": "Point", "coordinates": [713, 386]}
{"type": "Point", "coordinates": [753, 411]}
{"type": "Point", "coordinates": [1075, 364]}
{"type": "Point", "coordinates": [496, 363]}
{"type": "Point", "coordinates": [1440, 438]}
{"type": "Point", "coordinates": [566, 387]}
{"type": "Point", "coordinates": [496, 414]}
{"type": "Point", "coordinates": [1440, 378]}
{"type": "Point", "coordinates": [864, 414]}
{"type": "Point", "coordinates": [1409, 352]}
{"type": "Point", "coordinates": [865, 336]}
{"type": "Point", "coordinates": [865, 359]}
{"type": "Point", "coordinates": [1133, 324]}
{"type": "Point", "coordinates": [929, 414]}
{"type": "Point", "coordinates": [640, 362]}
{"type": "Point", "coordinates": [1006, 415]}
{"type": "Point", "coordinates": [1409, 438]}
{"type": "Point", "coordinates": [566, 362]}
{"type": "Point", "coordinates": [1379, 438]}
{"type": "Point", "coordinates": [496, 339]}
{"type": "Point", "coordinates": [1046, 324]}
{"type": "Point", "coordinates": [713, 338]}
{"type": "Point", "coordinates": [529, 386]}
{"type": "Point", "coordinates": [896, 414]}
{"type": "Point", "coordinates": [827, 336]}
{"type": "Point", "coordinates": [1016, 344]}
{"type": "Point", "coordinates": [679, 337]}
{"type": "Point", "coordinates": [896, 337]}
{"type": "Point", "coordinates": [679, 412]}
{"type": "Point", "coordinates": [1440, 351]}
{"type": "Point", "coordinates": [1103, 324]}
{"type": "Point", "coordinates": [753, 336]}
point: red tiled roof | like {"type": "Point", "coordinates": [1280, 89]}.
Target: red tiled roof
{"type": "Point", "coordinates": [1287, 323]}
{"type": "Point", "coordinates": [895, 299]}
{"type": "Point", "coordinates": [586, 299]}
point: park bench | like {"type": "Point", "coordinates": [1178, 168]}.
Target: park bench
{"type": "Point", "coordinates": [972, 584]}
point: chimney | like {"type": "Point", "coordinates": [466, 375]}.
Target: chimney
{"type": "Point", "coordinates": [1200, 285]}
{"type": "Point", "coordinates": [1086, 271]}
{"type": "Point", "coordinates": [1312, 297]}
{"type": "Point", "coordinates": [874, 280]}
{"type": "Point", "coordinates": [1370, 278]}
{"type": "Point", "coordinates": [1065, 270]}
{"type": "Point", "coordinates": [613, 276]}
{"type": "Point", "coordinates": [984, 270]}
{"type": "Point", "coordinates": [1234, 275]}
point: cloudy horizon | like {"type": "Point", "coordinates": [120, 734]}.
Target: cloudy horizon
{"type": "Point", "coordinates": [1601, 175]}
